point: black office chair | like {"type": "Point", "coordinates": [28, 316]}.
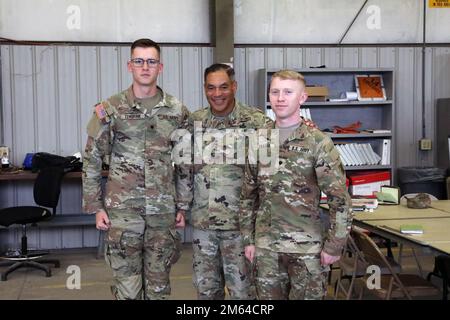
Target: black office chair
{"type": "Point", "coordinates": [46, 192]}
{"type": "Point", "coordinates": [442, 270]}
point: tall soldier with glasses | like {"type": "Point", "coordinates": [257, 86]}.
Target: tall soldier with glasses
{"type": "Point", "coordinates": [145, 196]}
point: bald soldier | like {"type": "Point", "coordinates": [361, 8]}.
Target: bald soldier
{"type": "Point", "coordinates": [145, 196]}
{"type": "Point", "coordinates": [292, 251]}
{"type": "Point", "coordinates": [218, 247]}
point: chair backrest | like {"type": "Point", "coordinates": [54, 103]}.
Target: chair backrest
{"type": "Point", "coordinates": [47, 187]}
{"type": "Point", "coordinates": [353, 249]}
{"type": "Point", "coordinates": [352, 256]}
{"type": "Point", "coordinates": [371, 251]}
{"type": "Point", "coordinates": [397, 285]}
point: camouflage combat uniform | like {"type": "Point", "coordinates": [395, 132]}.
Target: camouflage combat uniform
{"type": "Point", "coordinates": [217, 243]}
{"type": "Point", "coordinates": [142, 193]}
{"type": "Point", "coordinates": [289, 234]}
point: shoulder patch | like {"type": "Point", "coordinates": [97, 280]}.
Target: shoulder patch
{"type": "Point", "coordinates": [101, 113]}
{"type": "Point", "coordinates": [310, 123]}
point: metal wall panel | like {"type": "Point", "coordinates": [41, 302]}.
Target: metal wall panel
{"type": "Point", "coordinates": [294, 58]}
{"type": "Point", "coordinates": [312, 57]}
{"type": "Point", "coordinates": [275, 58]}
{"type": "Point", "coordinates": [350, 58]}
{"type": "Point", "coordinates": [48, 97]}
{"type": "Point", "coordinates": [46, 103]}
{"type": "Point", "coordinates": [240, 70]}
{"type": "Point", "coordinates": [125, 77]}
{"type": "Point", "coordinates": [424, 157]}
{"type": "Point", "coordinates": [207, 60]}
{"type": "Point", "coordinates": [48, 93]}
{"type": "Point", "coordinates": [387, 57]}
{"type": "Point", "coordinates": [7, 196]}
{"type": "Point", "coordinates": [192, 84]}
{"type": "Point", "coordinates": [332, 58]}
{"type": "Point", "coordinates": [255, 59]}
{"type": "Point", "coordinates": [67, 113]}
{"type": "Point", "coordinates": [170, 78]}
{"type": "Point", "coordinates": [369, 57]}
{"type": "Point", "coordinates": [89, 92]}
{"type": "Point", "coordinates": [171, 21]}
{"type": "Point", "coordinates": [439, 67]}
{"type": "Point", "coordinates": [406, 115]}
{"type": "Point", "coordinates": [90, 237]}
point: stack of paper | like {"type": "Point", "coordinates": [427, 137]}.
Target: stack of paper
{"type": "Point", "coordinates": [362, 204]}
{"type": "Point", "coordinates": [305, 113]}
{"type": "Point", "coordinates": [411, 229]}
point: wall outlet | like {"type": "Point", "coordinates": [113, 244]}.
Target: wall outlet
{"type": "Point", "coordinates": [425, 144]}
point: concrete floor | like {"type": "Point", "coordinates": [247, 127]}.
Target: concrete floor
{"type": "Point", "coordinates": [31, 284]}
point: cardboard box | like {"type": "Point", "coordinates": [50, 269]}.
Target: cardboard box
{"type": "Point", "coordinates": [317, 93]}
{"type": "Point", "coordinates": [362, 177]}
{"type": "Point", "coordinates": [366, 183]}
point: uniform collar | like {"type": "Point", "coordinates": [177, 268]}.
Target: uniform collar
{"type": "Point", "coordinates": [131, 98]}
{"type": "Point", "coordinates": [299, 133]}
{"type": "Point", "coordinates": [233, 115]}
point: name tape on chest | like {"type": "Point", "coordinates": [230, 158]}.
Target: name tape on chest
{"type": "Point", "coordinates": [167, 117]}
{"type": "Point", "coordinates": [298, 148]}
{"type": "Point", "coordinates": [132, 116]}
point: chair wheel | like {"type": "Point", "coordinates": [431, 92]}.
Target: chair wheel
{"type": "Point", "coordinates": [48, 274]}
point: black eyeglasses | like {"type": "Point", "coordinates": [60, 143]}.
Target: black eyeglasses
{"type": "Point", "coordinates": [139, 62]}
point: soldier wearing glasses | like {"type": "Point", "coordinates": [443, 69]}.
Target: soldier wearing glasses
{"type": "Point", "coordinates": [145, 197]}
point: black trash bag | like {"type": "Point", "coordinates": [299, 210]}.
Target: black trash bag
{"type": "Point", "coordinates": [420, 174]}
{"type": "Point", "coordinates": [44, 160]}
{"type": "Point", "coordinates": [429, 180]}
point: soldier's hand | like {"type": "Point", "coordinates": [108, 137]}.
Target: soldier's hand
{"type": "Point", "coordinates": [180, 220]}
{"type": "Point", "coordinates": [326, 259]}
{"type": "Point", "coordinates": [250, 252]}
{"type": "Point", "coordinates": [102, 221]}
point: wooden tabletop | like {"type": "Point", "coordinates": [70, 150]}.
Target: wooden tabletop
{"type": "Point", "coordinates": [434, 229]}
{"type": "Point", "coordinates": [443, 205]}
{"type": "Point", "coordinates": [442, 246]}
{"type": "Point", "coordinates": [384, 212]}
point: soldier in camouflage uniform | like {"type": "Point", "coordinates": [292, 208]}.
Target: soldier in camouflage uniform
{"type": "Point", "coordinates": [293, 250]}
{"type": "Point", "coordinates": [218, 258]}
{"type": "Point", "coordinates": [145, 195]}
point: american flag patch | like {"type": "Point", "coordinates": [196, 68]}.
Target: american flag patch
{"type": "Point", "coordinates": [100, 111]}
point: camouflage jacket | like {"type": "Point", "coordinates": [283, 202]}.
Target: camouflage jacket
{"type": "Point", "coordinates": [287, 219]}
{"type": "Point", "coordinates": [217, 187]}
{"type": "Point", "coordinates": [138, 145]}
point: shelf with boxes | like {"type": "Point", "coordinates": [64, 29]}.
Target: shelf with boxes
{"type": "Point", "coordinates": [356, 108]}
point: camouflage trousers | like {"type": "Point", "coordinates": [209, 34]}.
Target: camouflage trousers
{"type": "Point", "coordinates": [282, 276]}
{"type": "Point", "coordinates": [219, 261]}
{"type": "Point", "coordinates": [140, 255]}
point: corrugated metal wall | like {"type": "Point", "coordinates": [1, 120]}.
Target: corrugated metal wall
{"type": "Point", "coordinates": [48, 93]}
